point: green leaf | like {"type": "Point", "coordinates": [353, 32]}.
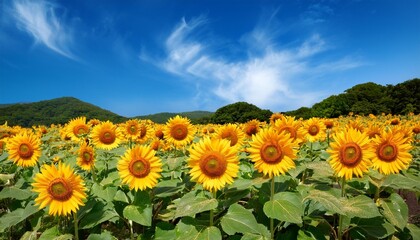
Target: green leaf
{"type": "Point", "coordinates": [168, 188]}
{"type": "Point", "coordinates": [240, 220]}
{"type": "Point", "coordinates": [64, 237]}
{"type": "Point", "coordinates": [120, 196]}
{"type": "Point", "coordinates": [399, 181]}
{"type": "Point", "coordinates": [414, 230]}
{"type": "Point", "coordinates": [110, 179]}
{"type": "Point", "coordinates": [186, 230]}
{"type": "Point", "coordinates": [375, 227]}
{"type": "Point", "coordinates": [50, 233]}
{"type": "Point", "coordinates": [141, 209]}
{"type": "Point", "coordinates": [210, 233]}
{"type": "Point", "coordinates": [327, 200]}
{"type": "Point", "coordinates": [29, 236]}
{"type": "Point", "coordinates": [395, 210]}
{"type": "Point", "coordinates": [360, 206]}
{"type": "Point", "coordinates": [103, 236]}
{"type": "Point", "coordinates": [286, 206]}
{"type": "Point", "coordinates": [190, 204]}
{"type": "Point", "coordinates": [12, 218]}
{"type": "Point", "coordinates": [16, 193]}
{"type": "Point", "coordinates": [105, 192]}
{"type": "Point", "coordinates": [321, 169]}
{"type": "Point", "coordinates": [97, 215]}
{"type": "Point", "coordinates": [4, 178]}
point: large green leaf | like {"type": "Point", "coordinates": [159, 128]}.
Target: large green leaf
{"type": "Point", "coordinates": [168, 188]}
{"type": "Point", "coordinates": [12, 218]}
{"type": "Point", "coordinates": [395, 210]}
{"type": "Point", "coordinates": [240, 220]}
{"type": "Point", "coordinates": [105, 192]}
{"type": "Point", "coordinates": [414, 230]}
{"type": "Point", "coordinates": [327, 200]}
{"type": "Point", "coordinates": [399, 181]}
{"type": "Point", "coordinates": [97, 215]}
{"type": "Point", "coordinates": [16, 193]}
{"type": "Point", "coordinates": [103, 236]}
{"type": "Point", "coordinates": [210, 233]}
{"type": "Point", "coordinates": [360, 206]}
{"type": "Point", "coordinates": [50, 233]}
{"type": "Point", "coordinates": [286, 206]}
{"type": "Point", "coordinates": [374, 227]}
{"type": "Point", "coordinates": [191, 204]}
{"type": "Point", "coordinates": [141, 210]}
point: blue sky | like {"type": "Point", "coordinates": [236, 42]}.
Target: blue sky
{"type": "Point", "coordinates": [142, 57]}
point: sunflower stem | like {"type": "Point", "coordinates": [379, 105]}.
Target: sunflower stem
{"type": "Point", "coordinates": [271, 199]}
{"type": "Point", "coordinates": [211, 211]}
{"type": "Point", "coordinates": [340, 220]}
{"type": "Point", "coordinates": [131, 229]}
{"type": "Point", "coordinates": [94, 174]}
{"type": "Point", "coordinates": [76, 226]}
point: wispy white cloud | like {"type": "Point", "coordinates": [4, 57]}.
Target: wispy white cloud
{"type": "Point", "coordinates": [39, 19]}
{"type": "Point", "coordinates": [267, 78]}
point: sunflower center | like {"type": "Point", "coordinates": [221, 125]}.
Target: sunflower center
{"type": "Point", "coordinates": [132, 129]}
{"type": "Point", "coordinates": [289, 130]}
{"type": "Point", "coordinates": [313, 130]}
{"type": "Point", "coordinates": [233, 138]}
{"type": "Point", "coordinates": [213, 164]}
{"type": "Point", "coordinates": [159, 134]}
{"type": "Point", "coordinates": [350, 154]}
{"type": "Point", "coordinates": [107, 137]}
{"type": "Point", "coordinates": [87, 157]}
{"type": "Point", "coordinates": [80, 130]}
{"type": "Point", "coordinates": [60, 190]}
{"type": "Point", "coordinates": [387, 152]}
{"type": "Point", "coordinates": [25, 150]}
{"type": "Point", "coordinates": [251, 130]}
{"type": "Point", "coordinates": [271, 153]}
{"type": "Point", "coordinates": [143, 131]}
{"type": "Point", "coordinates": [139, 168]}
{"type": "Point", "coordinates": [179, 132]}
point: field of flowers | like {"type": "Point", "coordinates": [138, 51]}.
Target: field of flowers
{"type": "Point", "coordinates": [352, 177]}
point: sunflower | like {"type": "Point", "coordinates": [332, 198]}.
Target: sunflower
{"type": "Point", "coordinates": [356, 124]}
{"type": "Point", "coordinates": [179, 131]}
{"type": "Point", "coordinates": [213, 162]}
{"type": "Point", "coordinates": [405, 131]}
{"type": "Point", "coordinates": [350, 153]}
{"type": "Point", "coordinates": [140, 168]}
{"type": "Point", "coordinates": [158, 130]}
{"type": "Point", "coordinates": [86, 157]}
{"type": "Point", "coordinates": [273, 153]}
{"type": "Point", "coordinates": [145, 132]}
{"type": "Point", "coordinates": [274, 117]}
{"type": "Point", "coordinates": [251, 127]}
{"type": "Point", "coordinates": [313, 130]}
{"type": "Point", "coordinates": [106, 135]}
{"type": "Point", "coordinates": [60, 188]}
{"type": "Point", "coordinates": [232, 133]}
{"type": "Point", "coordinates": [391, 152]}
{"type": "Point", "coordinates": [289, 125]}
{"type": "Point", "coordinates": [373, 130]}
{"type": "Point", "coordinates": [131, 128]}
{"type": "Point", "coordinates": [24, 149]}
{"type": "Point", "coordinates": [77, 128]}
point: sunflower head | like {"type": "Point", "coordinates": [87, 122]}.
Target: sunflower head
{"type": "Point", "coordinates": [391, 152]}
{"type": "Point", "coordinates": [213, 163]}
{"type": "Point", "coordinates": [179, 131]}
{"type": "Point", "coordinates": [232, 133]}
{"type": "Point", "coordinates": [140, 168]}
{"type": "Point", "coordinates": [350, 153]}
{"type": "Point", "coordinates": [106, 135]}
{"type": "Point", "coordinates": [77, 128]}
{"type": "Point", "coordinates": [314, 130]}
{"type": "Point", "coordinates": [24, 149]}
{"type": "Point", "coordinates": [60, 189]}
{"type": "Point", "coordinates": [273, 153]}
{"type": "Point", "coordinates": [131, 128]}
{"type": "Point", "coordinates": [274, 117]}
{"type": "Point", "coordinates": [251, 127]}
{"type": "Point", "coordinates": [86, 157]}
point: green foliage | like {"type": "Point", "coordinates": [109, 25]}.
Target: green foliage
{"type": "Point", "coordinates": [194, 116]}
{"type": "Point", "coordinates": [55, 111]}
{"type": "Point", "coordinates": [366, 98]}
{"type": "Point", "coordinates": [240, 112]}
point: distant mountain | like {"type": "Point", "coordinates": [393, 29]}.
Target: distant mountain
{"type": "Point", "coordinates": [163, 117]}
{"type": "Point", "coordinates": [55, 111]}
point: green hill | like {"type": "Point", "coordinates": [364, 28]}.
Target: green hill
{"type": "Point", "coordinates": [194, 116]}
{"type": "Point", "coordinates": [55, 111]}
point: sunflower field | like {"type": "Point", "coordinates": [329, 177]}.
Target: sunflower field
{"type": "Point", "coordinates": [352, 177]}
